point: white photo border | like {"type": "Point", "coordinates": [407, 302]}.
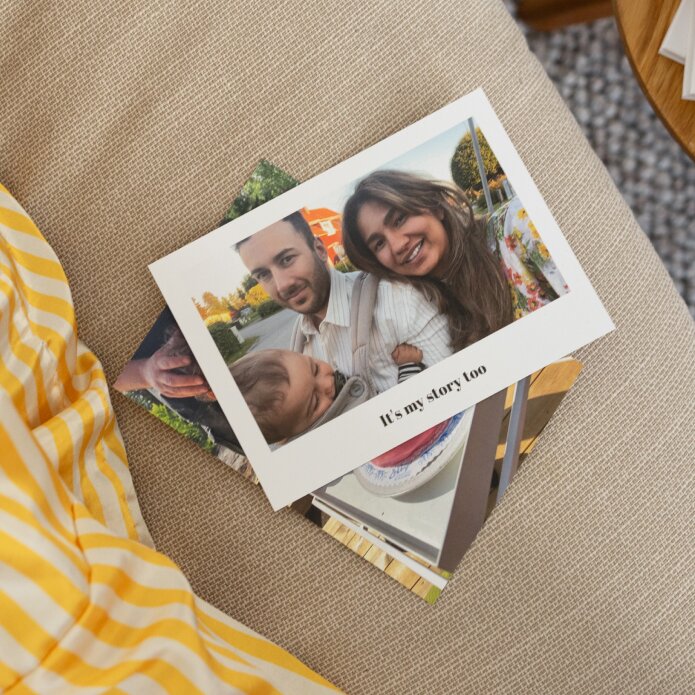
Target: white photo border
{"type": "Point", "coordinates": [519, 349]}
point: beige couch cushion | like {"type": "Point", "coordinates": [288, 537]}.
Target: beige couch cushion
{"type": "Point", "coordinates": [124, 132]}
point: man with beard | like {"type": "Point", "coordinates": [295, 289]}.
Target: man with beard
{"type": "Point", "coordinates": [292, 267]}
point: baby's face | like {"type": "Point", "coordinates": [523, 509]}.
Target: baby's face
{"type": "Point", "coordinates": [309, 395]}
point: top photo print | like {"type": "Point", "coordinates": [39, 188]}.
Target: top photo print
{"type": "Point", "coordinates": [338, 302]}
{"type": "Point", "coordinates": [366, 306]}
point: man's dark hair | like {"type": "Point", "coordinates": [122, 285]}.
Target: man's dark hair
{"type": "Point", "coordinates": [299, 224]}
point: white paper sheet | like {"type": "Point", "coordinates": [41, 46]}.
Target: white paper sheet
{"type": "Point", "coordinates": [357, 436]}
{"type": "Point", "coordinates": [675, 43]}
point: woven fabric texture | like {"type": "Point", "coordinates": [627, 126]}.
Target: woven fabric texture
{"type": "Point", "coordinates": [124, 133]}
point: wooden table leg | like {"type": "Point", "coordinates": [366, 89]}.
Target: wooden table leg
{"type": "Point", "coordinates": [546, 15]}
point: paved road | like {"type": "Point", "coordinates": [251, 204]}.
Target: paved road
{"type": "Point", "coordinates": [273, 332]}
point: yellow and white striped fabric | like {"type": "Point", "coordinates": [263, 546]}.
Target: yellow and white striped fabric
{"type": "Point", "coordinates": [85, 603]}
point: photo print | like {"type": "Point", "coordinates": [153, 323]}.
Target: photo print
{"type": "Point", "coordinates": [379, 300]}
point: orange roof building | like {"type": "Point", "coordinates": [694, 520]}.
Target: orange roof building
{"type": "Point", "coordinates": [327, 226]}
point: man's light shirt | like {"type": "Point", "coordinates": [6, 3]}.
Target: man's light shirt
{"type": "Point", "coordinates": [401, 315]}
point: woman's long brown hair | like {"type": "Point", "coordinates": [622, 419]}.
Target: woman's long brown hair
{"type": "Point", "coordinates": [473, 293]}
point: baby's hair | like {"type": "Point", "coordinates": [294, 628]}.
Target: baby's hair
{"type": "Point", "coordinates": [261, 377]}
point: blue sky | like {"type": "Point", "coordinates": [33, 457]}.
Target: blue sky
{"type": "Point", "coordinates": [432, 159]}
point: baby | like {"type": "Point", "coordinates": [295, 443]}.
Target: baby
{"type": "Point", "coordinates": [287, 392]}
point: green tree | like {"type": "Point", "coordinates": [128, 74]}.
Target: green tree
{"type": "Point", "coordinates": [464, 165]}
{"type": "Point", "coordinates": [188, 429]}
{"type": "Point", "coordinates": [227, 344]}
{"type": "Point", "coordinates": [266, 182]}
{"type": "Point", "coordinates": [268, 308]}
{"type": "Point", "coordinates": [248, 281]}
{"type": "Point", "coordinates": [173, 419]}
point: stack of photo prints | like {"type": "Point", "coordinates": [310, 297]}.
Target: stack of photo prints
{"type": "Point", "coordinates": [381, 346]}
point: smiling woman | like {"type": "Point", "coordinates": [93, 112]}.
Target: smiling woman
{"type": "Point", "coordinates": [410, 229]}
{"type": "Point", "coordinates": [407, 245]}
